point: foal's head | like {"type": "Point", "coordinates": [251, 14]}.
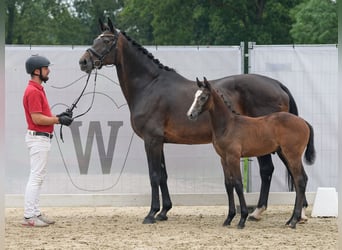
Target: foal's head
{"type": "Point", "coordinates": [200, 102]}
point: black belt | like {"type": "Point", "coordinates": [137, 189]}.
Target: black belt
{"type": "Point", "coordinates": [41, 134]}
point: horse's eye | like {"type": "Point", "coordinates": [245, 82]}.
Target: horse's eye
{"type": "Point", "coordinates": [203, 98]}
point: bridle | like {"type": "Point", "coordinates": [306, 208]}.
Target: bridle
{"type": "Point", "coordinates": [98, 63]}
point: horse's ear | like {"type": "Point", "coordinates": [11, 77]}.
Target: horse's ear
{"type": "Point", "coordinates": [206, 83]}
{"type": "Point", "coordinates": [110, 24]}
{"type": "Point", "coordinates": [111, 27]}
{"type": "Point", "coordinates": [101, 25]}
{"type": "Point", "coordinates": [199, 84]}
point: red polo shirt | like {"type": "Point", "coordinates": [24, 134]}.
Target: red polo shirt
{"type": "Point", "coordinates": [35, 101]}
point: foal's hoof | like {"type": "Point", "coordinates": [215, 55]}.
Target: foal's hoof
{"type": "Point", "coordinates": [149, 220]}
{"type": "Point", "coordinates": [161, 217]}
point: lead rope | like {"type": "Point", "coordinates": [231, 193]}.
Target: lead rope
{"type": "Point", "coordinates": [74, 104]}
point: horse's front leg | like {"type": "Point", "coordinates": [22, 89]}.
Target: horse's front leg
{"type": "Point", "coordinates": [239, 191]}
{"type": "Point", "coordinates": [167, 204]}
{"type": "Point", "coordinates": [230, 193]}
{"type": "Point", "coordinates": [231, 203]}
{"type": "Point", "coordinates": [153, 148]}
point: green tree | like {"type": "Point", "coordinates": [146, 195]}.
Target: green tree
{"type": "Point", "coordinates": [40, 22]}
{"type": "Point", "coordinates": [315, 21]}
{"type": "Point", "coordinates": [135, 18]}
{"type": "Point", "coordinates": [56, 22]}
{"type": "Point", "coordinates": [88, 12]}
{"type": "Point", "coordinates": [203, 22]}
{"type": "Point", "coordinates": [173, 22]}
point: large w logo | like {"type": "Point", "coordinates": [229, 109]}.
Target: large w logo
{"type": "Point", "coordinates": [83, 157]}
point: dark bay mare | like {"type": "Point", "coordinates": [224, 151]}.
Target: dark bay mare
{"type": "Point", "coordinates": [236, 136]}
{"type": "Point", "coordinates": [158, 98]}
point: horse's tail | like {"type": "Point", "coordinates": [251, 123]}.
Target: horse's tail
{"type": "Point", "coordinates": [292, 104]}
{"type": "Point", "coordinates": [293, 110]}
{"type": "Point", "coordinates": [310, 152]}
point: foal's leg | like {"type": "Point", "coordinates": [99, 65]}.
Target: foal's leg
{"type": "Point", "coordinates": [231, 202]}
{"type": "Point", "coordinates": [230, 192]}
{"type": "Point", "coordinates": [153, 148]}
{"type": "Point", "coordinates": [266, 170]}
{"type": "Point", "coordinates": [300, 180]}
{"type": "Point", "coordinates": [167, 204]}
{"type": "Point", "coordinates": [244, 211]}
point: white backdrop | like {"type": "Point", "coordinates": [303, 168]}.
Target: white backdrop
{"type": "Point", "coordinates": [191, 169]}
{"type": "Point", "coordinates": [311, 73]}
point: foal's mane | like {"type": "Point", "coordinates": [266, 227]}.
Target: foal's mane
{"type": "Point", "coordinates": [146, 52]}
{"type": "Point", "coordinates": [227, 102]}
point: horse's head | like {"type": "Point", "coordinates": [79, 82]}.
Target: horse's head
{"type": "Point", "coordinates": [102, 52]}
{"type": "Point", "coordinates": [200, 101]}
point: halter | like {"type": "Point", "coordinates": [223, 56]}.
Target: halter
{"type": "Point", "coordinates": [99, 62]}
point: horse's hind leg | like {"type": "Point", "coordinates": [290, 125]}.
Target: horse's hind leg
{"type": "Point", "coordinates": [266, 170]}
{"type": "Point", "coordinates": [300, 181]}
{"type": "Point", "coordinates": [167, 204]}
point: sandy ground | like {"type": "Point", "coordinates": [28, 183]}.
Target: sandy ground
{"type": "Point", "coordinates": [188, 227]}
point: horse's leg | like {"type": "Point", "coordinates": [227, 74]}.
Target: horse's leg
{"type": "Point", "coordinates": [230, 192]}
{"type": "Point", "coordinates": [304, 218]}
{"type": "Point", "coordinates": [167, 204]}
{"type": "Point", "coordinates": [300, 180]}
{"type": "Point", "coordinates": [296, 169]}
{"type": "Point", "coordinates": [153, 148]}
{"type": "Point", "coordinates": [231, 203]}
{"type": "Point", "coordinates": [239, 191]}
{"type": "Point", "coordinates": [266, 170]}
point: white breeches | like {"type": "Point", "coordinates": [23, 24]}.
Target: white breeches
{"type": "Point", "coordinates": [39, 148]}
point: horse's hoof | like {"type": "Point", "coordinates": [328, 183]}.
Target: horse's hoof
{"type": "Point", "coordinates": [252, 218]}
{"type": "Point", "coordinates": [161, 217]}
{"type": "Point", "coordinates": [149, 220]}
{"type": "Point", "coordinates": [291, 225]}
{"type": "Point", "coordinates": [226, 223]}
{"type": "Point", "coordinates": [303, 221]}
{"type": "Point", "coordinates": [241, 226]}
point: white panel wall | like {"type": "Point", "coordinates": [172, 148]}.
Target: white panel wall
{"type": "Point", "coordinates": [310, 72]}
{"type": "Point", "coordinates": [191, 169]}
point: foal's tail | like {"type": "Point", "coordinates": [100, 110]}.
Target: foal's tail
{"type": "Point", "coordinates": [310, 152]}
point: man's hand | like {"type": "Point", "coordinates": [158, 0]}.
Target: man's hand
{"type": "Point", "coordinates": [65, 113]}
{"type": "Point", "coordinates": [65, 120]}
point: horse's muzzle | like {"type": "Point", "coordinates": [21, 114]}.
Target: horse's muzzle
{"type": "Point", "coordinates": [85, 64]}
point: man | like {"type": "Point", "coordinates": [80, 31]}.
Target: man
{"type": "Point", "coordinates": [40, 123]}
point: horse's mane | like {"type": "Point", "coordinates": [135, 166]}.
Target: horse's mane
{"type": "Point", "coordinates": [146, 52]}
{"type": "Point", "coordinates": [227, 102]}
